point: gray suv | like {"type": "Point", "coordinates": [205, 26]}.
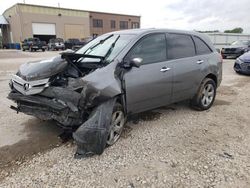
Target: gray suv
{"type": "Point", "coordinates": [90, 92]}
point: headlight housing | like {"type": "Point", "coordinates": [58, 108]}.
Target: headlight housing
{"type": "Point", "coordinates": [239, 61]}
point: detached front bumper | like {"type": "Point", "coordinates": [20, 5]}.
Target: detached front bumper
{"type": "Point", "coordinates": [36, 98]}
{"type": "Point", "coordinates": [45, 108]}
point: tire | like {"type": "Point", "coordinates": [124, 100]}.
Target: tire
{"type": "Point", "coordinates": [205, 95]}
{"type": "Point", "coordinates": [116, 128]}
{"type": "Point", "coordinates": [43, 50]}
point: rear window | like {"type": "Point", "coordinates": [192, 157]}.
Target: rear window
{"type": "Point", "coordinates": [180, 46]}
{"type": "Point", "coordinates": [58, 40]}
{"type": "Point", "coordinates": [201, 47]}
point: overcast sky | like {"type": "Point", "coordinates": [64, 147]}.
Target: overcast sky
{"type": "Point", "coordinates": [176, 14]}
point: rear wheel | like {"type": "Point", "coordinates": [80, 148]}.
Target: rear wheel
{"type": "Point", "coordinates": [205, 96]}
{"type": "Point", "coordinates": [117, 123]}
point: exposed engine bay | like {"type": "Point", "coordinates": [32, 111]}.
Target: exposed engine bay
{"type": "Point", "coordinates": [69, 89]}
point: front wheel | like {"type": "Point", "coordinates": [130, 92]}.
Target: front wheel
{"type": "Point", "coordinates": [117, 122]}
{"type": "Point", "coordinates": [205, 96]}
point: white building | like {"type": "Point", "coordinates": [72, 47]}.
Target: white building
{"type": "Point", "coordinates": [222, 39]}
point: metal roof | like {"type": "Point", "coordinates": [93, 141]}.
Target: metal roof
{"type": "Point", "coordinates": [3, 21]}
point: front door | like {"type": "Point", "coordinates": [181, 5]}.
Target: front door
{"type": "Point", "coordinates": [150, 85]}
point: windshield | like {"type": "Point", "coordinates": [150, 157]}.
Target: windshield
{"type": "Point", "coordinates": [58, 40]}
{"type": "Point", "coordinates": [241, 42]}
{"type": "Point", "coordinates": [109, 45]}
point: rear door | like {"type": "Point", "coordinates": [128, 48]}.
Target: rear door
{"type": "Point", "coordinates": [150, 85]}
{"type": "Point", "coordinates": [188, 69]}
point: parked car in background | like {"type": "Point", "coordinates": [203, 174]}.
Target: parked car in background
{"type": "Point", "coordinates": [242, 64]}
{"type": "Point", "coordinates": [34, 44]}
{"type": "Point", "coordinates": [56, 44]}
{"type": "Point", "coordinates": [236, 49]}
{"type": "Point", "coordinates": [74, 44]}
{"type": "Point", "coordinates": [91, 91]}
{"type": "Point", "coordinates": [88, 39]}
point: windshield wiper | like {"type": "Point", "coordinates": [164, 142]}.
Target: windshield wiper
{"type": "Point", "coordinates": [111, 48]}
{"type": "Point", "coordinates": [100, 42]}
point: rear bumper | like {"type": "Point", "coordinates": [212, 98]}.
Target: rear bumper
{"type": "Point", "coordinates": [34, 47]}
{"type": "Point", "coordinates": [232, 54]}
{"type": "Point", "coordinates": [59, 47]}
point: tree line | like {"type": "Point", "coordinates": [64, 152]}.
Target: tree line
{"type": "Point", "coordinates": [235, 30]}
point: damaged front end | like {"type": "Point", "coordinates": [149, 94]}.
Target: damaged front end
{"type": "Point", "coordinates": [68, 91]}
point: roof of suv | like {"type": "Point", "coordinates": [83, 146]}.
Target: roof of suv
{"type": "Point", "coordinates": [153, 30]}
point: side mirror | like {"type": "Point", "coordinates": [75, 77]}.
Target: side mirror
{"type": "Point", "coordinates": [136, 62]}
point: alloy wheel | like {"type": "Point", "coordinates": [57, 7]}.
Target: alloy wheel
{"type": "Point", "coordinates": [117, 123]}
{"type": "Point", "coordinates": [207, 95]}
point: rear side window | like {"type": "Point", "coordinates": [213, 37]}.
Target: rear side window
{"type": "Point", "coordinates": [201, 47]}
{"type": "Point", "coordinates": [180, 46]}
{"type": "Point", "coordinates": [151, 49]}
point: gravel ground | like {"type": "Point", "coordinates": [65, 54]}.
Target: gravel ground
{"type": "Point", "coordinates": [168, 147]}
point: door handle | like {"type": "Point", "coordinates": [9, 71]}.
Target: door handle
{"type": "Point", "coordinates": [200, 62]}
{"type": "Point", "coordinates": [164, 69]}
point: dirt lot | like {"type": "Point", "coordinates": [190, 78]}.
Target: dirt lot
{"type": "Point", "coordinates": [169, 147]}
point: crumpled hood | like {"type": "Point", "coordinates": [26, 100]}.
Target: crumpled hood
{"type": "Point", "coordinates": [36, 70]}
{"type": "Point", "coordinates": [245, 57]}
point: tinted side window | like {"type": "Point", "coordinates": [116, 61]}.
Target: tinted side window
{"type": "Point", "coordinates": [180, 46]}
{"type": "Point", "coordinates": [151, 49]}
{"type": "Point", "coordinates": [201, 47]}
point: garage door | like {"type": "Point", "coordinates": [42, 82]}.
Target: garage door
{"type": "Point", "coordinates": [74, 31]}
{"type": "Point", "coordinates": [43, 29]}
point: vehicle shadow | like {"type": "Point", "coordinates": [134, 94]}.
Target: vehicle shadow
{"type": "Point", "coordinates": [42, 135]}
